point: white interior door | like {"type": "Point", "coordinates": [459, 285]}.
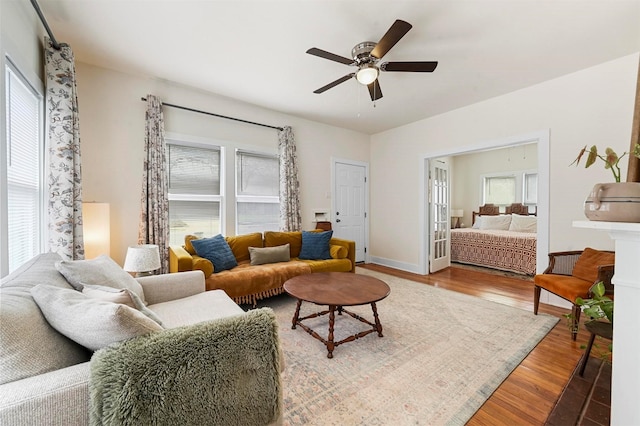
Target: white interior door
{"type": "Point", "coordinates": [349, 215]}
{"type": "Point", "coordinates": [439, 224]}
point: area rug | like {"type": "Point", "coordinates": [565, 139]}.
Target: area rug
{"type": "Point", "coordinates": [442, 355]}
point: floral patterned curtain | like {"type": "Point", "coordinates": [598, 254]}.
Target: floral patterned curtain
{"type": "Point", "coordinates": [64, 173]}
{"type": "Point", "coordinates": [290, 217]}
{"type": "Point", "coordinates": [154, 212]}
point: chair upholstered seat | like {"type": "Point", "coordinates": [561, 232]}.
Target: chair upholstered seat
{"type": "Point", "coordinates": [567, 287]}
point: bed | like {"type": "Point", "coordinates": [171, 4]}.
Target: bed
{"type": "Point", "coordinates": [500, 241]}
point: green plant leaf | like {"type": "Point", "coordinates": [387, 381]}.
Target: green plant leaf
{"type": "Point", "coordinates": [611, 158]}
{"type": "Point", "coordinates": [593, 155]}
{"type": "Point", "coordinates": [598, 289]}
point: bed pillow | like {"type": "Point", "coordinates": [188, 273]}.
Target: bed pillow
{"type": "Point", "coordinates": [217, 250]}
{"type": "Point", "coordinates": [315, 245]}
{"type": "Point", "coordinates": [264, 255]}
{"type": "Point", "coordinates": [92, 323]}
{"type": "Point", "coordinates": [520, 223]}
{"type": "Point", "coordinates": [496, 223]}
{"type": "Point", "coordinates": [476, 224]}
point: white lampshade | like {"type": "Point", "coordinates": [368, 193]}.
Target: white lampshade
{"type": "Point", "coordinates": [142, 259]}
{"type": "Point", "coordinates": [367, 74]}
{"type": "Point", "coordinates": [457, 213]}
{"type": "Point", "coordinates": [95, 229]}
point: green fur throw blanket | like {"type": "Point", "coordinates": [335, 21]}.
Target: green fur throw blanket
{"type": "Point", "coordinates": [222, 372]}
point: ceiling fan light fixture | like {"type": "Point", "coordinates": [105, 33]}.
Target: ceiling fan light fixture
{"type": "Point", "coordinates": [367, 74]}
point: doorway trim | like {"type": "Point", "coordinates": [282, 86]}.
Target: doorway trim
{"type": "Point", "coordinates": [334, 161]}
{"type": "Point", "coordinates": [540, 137]}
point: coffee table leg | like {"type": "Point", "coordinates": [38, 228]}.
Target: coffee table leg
{"type": "Point", "coordinates": [377, 320]}
{"type": "Point", "coordinates": [332, 318]}
{"type": "Point", "coordinates": [296, 315]}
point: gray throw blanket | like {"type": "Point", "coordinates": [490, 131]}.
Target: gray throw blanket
{"type": "Point", "coordinates": [223, 372]}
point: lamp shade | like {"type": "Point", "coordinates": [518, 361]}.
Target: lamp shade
{"type": "Point", "coordinates": [95, 229]}
{"type": "Point", "coordinates": [142, 258]}
{"type": "Point", "coordinates": [457, 213]}
{"type": "Point", "coordinates": [367, 74]}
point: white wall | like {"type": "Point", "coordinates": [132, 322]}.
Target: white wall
{"type": "Point", "coordinates": [592, 106]}
{"type": "Point", "coordinates": [112, 142]}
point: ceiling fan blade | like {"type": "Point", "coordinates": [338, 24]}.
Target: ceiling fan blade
{"type": "Point", "coordinates": [374, 90]}
{"type": "Point", "coordinates": [392, 36]}
{"type": "Point", "coordinates": [330, 56]}
{"type": "Point", "coordinates": [409, 66]}
{"type": "Point", "coordinates": [334, 83]}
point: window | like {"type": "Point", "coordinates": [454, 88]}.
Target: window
{"type": "Point", "coordinates": [195, 197]}
{"type": "Point", "coordinates": [504, 189]}
{"type": "Point", "coordinates": [257, 189]}
{"type": "Point", "coordinates": [500, 190]}
{"type": "Point", "coordinates": [530, 189]}
{"type": "Point", "coordinates": [24, 165]}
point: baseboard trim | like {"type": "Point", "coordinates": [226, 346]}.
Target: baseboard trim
{"type": "Point", "coordinates": [402, 266]}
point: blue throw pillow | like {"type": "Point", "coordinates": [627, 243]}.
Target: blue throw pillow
{"type": "Point", "coordinates": [217, 250]}
{"type": "Point", "coordinates": [315, 245]}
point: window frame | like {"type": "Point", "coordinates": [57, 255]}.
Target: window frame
{"type": "Point", "coordinates": [220, 198]}
{"type": "Point", "coordinates": [258, 199]}
{"type": "Point", "coordinates": [519, 181]}
{"type": "Point", "coordinates": [9, 65]}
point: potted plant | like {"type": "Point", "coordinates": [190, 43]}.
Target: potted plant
{"type": "Point", "coordinates": [612, 202]}
{"type": "Point", "coordinates": [600, 309]}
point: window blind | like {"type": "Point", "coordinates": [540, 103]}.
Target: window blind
{"type": "Point", "coordinates": [23, 170]}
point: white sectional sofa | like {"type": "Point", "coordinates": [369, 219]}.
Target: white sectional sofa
{"type": "Point", "coordinates": [47, 378]}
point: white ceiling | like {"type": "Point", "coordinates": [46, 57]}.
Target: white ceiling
{"type": "Point", "coordinates": [254, 51]}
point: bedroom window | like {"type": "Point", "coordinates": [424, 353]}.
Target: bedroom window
{"type": "Point", "coordinates": [530, 189]}
{"type": "Point", "coordinates": [499, 189]}
{"type": "Point", "coordinates": [195, 196]}
{"type": "Point", "coordinates": [257, 192]}
{"type": "Point", "coordinates": [23, 163]}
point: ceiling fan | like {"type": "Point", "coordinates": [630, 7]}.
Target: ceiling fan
{"type": "Point", "coordinates": [366, 56]}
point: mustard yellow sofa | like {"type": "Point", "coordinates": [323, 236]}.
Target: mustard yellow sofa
{"type": "Point", "coordinates": [248, 283]}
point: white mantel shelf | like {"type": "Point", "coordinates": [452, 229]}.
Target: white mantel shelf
{"type": "Point", "coordinates": [625, 382]}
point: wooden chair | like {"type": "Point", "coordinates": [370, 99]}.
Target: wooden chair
{"type": "Point", "coordinates": [571, 274]}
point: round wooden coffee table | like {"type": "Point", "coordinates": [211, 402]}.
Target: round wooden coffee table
{"type": "Point", "coordinates": [336, 290]}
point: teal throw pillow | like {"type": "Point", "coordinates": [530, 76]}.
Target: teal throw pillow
{"type": "Point", "coordinates": [315, 245]}
{"type": "Point", "coordinates": [217, 250]}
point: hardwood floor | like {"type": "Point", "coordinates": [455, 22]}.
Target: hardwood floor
{"type": "Point", "coordinates": [529, 394]}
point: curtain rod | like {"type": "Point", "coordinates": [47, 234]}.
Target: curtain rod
{"type": "Point", "coordinates": [55, 43]}
{"type": "Point", "coordinates": [217, 115]}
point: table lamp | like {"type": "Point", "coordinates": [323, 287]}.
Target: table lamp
{"type": "Point", "coordinates": [457, 214]}
{"type": "Point", "coordinates": [142, 259]}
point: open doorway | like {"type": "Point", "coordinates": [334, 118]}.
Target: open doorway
{"type": "Point", "coordinates": [539, 140]}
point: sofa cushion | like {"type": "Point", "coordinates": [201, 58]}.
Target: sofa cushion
{"type": "Point", "coordinates": [28, 344]}
{"type": "Point", "coordinates": [245, 281]}
{"type": "Point", "coordinates": [329, 265]}
{"type": "Point", "coordinates": [217, 250]}
{"type": "Point", "coordinates": [201, 264]}
{"type": "Point", "coordinates": [123, 296]}
{"type": "Point", "coordinates": [315, 245]}
{"type": "Point", "coordinates": [240, 244]}
{"type": "Point", "coordinates": [188, 246]}
{"type": "Point", "coordinates": [294, 239]}
{"type": "Point", "coordinates": [261, 256]}
{"type": "Point", "coordinates": [92, 323]}
{"type": "Point", "coordinates": [200, 307]}
{"type": "Point", "coordinates": [586, 267]}
{"type": "Point", "coordinates": [338, 252]}
{"type": "Point", "coordinates": [99, 271]}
